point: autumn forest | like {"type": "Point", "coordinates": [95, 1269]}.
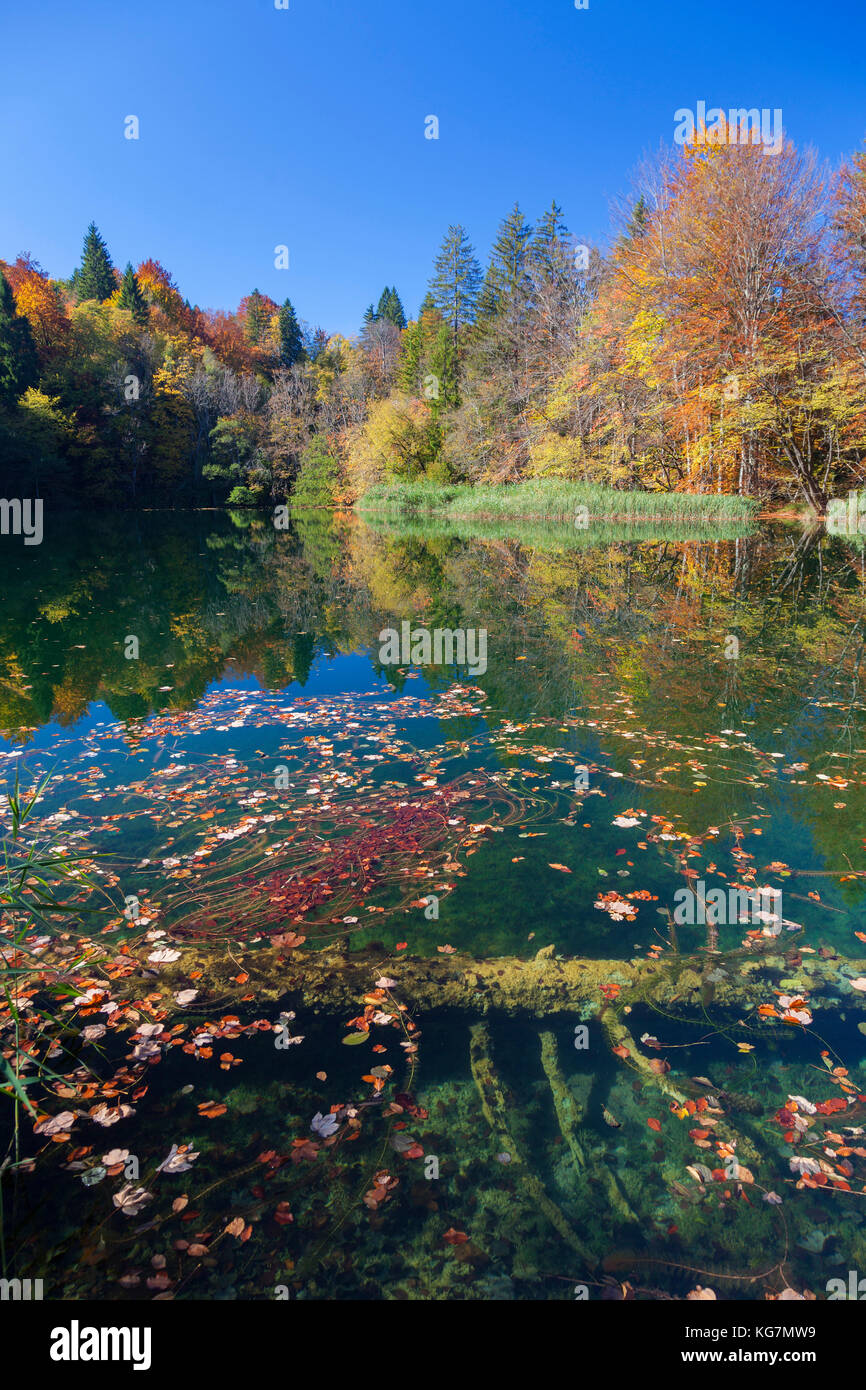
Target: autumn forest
{"type": "Point", "coordinates": [717, 345]}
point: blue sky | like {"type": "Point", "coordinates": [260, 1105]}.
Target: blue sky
{"type": "Point", "coordinates": [305, 126]}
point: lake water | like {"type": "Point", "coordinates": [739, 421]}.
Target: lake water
{"type": "Point", "coordinates": [227, 749]}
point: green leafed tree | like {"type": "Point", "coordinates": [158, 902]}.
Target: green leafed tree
{"type": "Point", "coordinates": [94, 278]}
{"type": "Point", "coordinates": [18, 363]}
{"type": "Point", "coordinates": [456, 280]}
{"type": "Point", "coordinates": [131, 297]}
{"type": "Point", "coordinates": [291, 337]}
{"type": "Point", "coordinates": [318, 478]}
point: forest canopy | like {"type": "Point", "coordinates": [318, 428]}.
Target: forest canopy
{"type": "Point", "coordinates": [717, 346]}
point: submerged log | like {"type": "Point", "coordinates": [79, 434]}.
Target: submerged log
{"type": "Point", "coordinates": [569, 1119]}
{"type": "Point", "coordinates": [542, 987]}
{"type": "Point", "coordinates": [495, 1106]}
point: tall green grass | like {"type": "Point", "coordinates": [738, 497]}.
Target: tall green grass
{"type": "Point", "coordinates": [551, 500]}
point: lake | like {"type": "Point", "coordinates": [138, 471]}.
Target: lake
{"type": "Point", "coordinates": [537, 976]}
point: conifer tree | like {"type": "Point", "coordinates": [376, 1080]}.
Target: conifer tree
{"type": "Point", "coordinates": [94, 278]}
{"type": "Point", "coordinates": [443, 366]}
{"type": "Point", "coordinates": [390, 307]}
{"type": "Point", "coordinates": [131, 297]}
{"type": "Point", "coordinates": [409, 369]}
{"type": "Point", "coordinates": [550, 250]}
{"type": "Point", "coordinates": [256, 318]}
{"type": "Point", "coordinates": [639, 217]}
{"type": "Point", "coordinates": [291, 338]}
{"type": "Point", "coordinates": [508, 273]}
{"type": "Point", "coordinates": [456, 280]}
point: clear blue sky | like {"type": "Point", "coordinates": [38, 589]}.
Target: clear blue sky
{"type": "Point", "coordinates": [306, 126]}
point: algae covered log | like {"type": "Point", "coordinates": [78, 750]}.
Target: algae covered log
{"type": "Point", "coordinates": [495, 1107]}
{"type": "Point", "coordinates": [569, 1119]}
{"type": "Point", "coordinates": [543, 987]}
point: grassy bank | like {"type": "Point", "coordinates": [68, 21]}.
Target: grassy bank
{"type": "Point", "coordinates": [554, 500]}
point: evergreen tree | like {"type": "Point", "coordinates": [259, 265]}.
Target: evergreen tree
{"type": "Point", "coordinates": [291, 339]}
{"type": "Point", "coordinates": [315, 343]}
{"type": "Point", "coordinates": [456, 280]}
{"type": "Point", "coordinates": [442, 364]}
{"type": "Point", "coordinates": [550, 249]}
{"type": "Point", "coordinates": [18, 362]}
{"type": "Point", "coordinates": [256, 318]}
{"type": "Point", "coordinates": [409, 369]}
{"type": "Point", "coordinates": [370, 315]}
{"type": "Point", "coordinates": [639, 218]}
{"type": "Point", "coordinates": [390, 307]}
{"type": "Point", "coordinates": [508, 273]}
{"type": "Point", "coordinates": [94, 278]}
{"type": "Point", "coordinates": [131, 297]}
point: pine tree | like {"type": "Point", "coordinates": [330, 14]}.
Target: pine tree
{"type": "Point", "coordinates": [549, 251]}
{"type": "Point", "coordinates": [131, 297]}
{"type": "Point", "coordinates": [291, 338]}
{"type": "Point", "coordinates": [18, 362]}
{"type": "Point", "coordinates": [508, 273]}
{"type": "Point", "coordinates": [370, 315]}
{"type": "Point", "coordinates": [256, 318]}
{"type": "Point", "coordinates": [456, 280]}
{"type": "Point", "coordinates": [639, 218]}
{"type": "Point", "coordinates": [390, 307]}
{"type": "Point", "coordinates": [94, 278]}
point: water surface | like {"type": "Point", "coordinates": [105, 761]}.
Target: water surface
{"type": "Point", "coordinates": [256, 770]}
